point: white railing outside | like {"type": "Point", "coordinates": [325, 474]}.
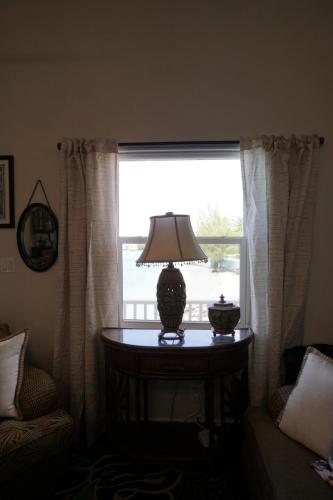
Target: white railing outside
{"type": "Point", "coordinates": [146, 310]}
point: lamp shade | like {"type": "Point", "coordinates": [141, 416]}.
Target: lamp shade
{"type": "Point", "coordinates": [171, 239]}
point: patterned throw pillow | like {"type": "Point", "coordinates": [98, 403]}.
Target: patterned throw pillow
{"type": "Point", "coordinates": [12, 351]}
{"type": "Point", "coordinates": [308, 414]}
{"type": "Point", "coordinates": [278, 401]}
{"type": "Point", "coordinates": [38, 394]}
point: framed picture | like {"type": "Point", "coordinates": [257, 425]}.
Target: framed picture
{"type": "Point", "coordinates": [7, 207]}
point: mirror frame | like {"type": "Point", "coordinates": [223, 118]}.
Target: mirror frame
{"type": "Point", "coordinates": [20, 231]}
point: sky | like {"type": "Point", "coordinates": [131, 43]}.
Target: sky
{"type": "Point", "coordinates": [154, 187]}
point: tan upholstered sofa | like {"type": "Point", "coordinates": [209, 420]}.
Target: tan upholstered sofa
{"type": "Point", "coordinates": [32, 449]}
{"type": "Point", "coordinates": [277, 467]}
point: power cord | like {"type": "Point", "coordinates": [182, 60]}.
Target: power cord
{"type": "Point", "coordinates": [173, 401]}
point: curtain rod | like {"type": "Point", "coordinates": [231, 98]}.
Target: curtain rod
{"type": "Point", "coordinates": [185, 143]}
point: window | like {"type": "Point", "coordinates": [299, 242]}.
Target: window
{"type": "Point", "coordinates": [203, 182]}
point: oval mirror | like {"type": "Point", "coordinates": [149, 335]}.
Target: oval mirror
{"type": "Point", "coordinates": [37, 237]}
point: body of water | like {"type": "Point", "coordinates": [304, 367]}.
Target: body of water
{"type": "Point", "coordinates": [139, 283]}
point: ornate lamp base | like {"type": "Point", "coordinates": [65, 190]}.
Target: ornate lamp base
{"type": "Point", "coordinates": [171, 300]}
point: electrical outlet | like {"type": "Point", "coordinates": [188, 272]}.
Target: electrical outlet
{"type": "Point", "coordinates": [7, 265]}
{"type": "Point", "coordinates": [204, 438]}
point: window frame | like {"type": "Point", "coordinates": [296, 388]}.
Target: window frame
{"type": "Point", "coordinates": [167, 151]}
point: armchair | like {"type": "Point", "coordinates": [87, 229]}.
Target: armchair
{"type": "Point", "coordinates": [33, 449]}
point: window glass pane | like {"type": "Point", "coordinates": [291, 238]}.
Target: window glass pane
{"type": "Point", "coordinates": [139, 286]}
{"type": "Point", "coordinates": [209, 190]}
{"type": "Point", "coordinates": [204, 282]}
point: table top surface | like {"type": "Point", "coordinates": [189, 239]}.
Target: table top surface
{"type": "Point", "coordinates": [148, 338]}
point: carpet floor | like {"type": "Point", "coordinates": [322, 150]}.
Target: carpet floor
{"type": "Point", "coordinates": [111, 477]}
{"type": "Point", "coordinates": [100, 475]}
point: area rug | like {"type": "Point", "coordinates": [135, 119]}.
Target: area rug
{"type": "Point", "coordinates": [110, 477]}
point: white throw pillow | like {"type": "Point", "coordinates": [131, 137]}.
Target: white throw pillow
{"type": "Point", "coordinates": [308, 414]}
{"type": "Point", "coordinates": [12, 351]}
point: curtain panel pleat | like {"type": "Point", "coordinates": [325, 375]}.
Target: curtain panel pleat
{"type": "Point", "coordinates": [88, 287]}
{"type": "Point", "coordinates": [279, 182]}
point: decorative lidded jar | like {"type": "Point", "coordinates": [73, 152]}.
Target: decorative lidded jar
{"type": "Point", "coordinates": [223, 316]}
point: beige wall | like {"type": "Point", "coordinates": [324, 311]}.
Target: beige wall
{"type": "Point", "coordinates": [158, 71]}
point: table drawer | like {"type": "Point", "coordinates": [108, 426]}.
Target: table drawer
{"type": "Point", "coordinates": [117, 360]}
{"type": "Point", "coordinates": [228, 362]}
{"type": "Point", "coordinates": [174, 366]}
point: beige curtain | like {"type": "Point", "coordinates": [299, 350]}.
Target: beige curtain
{"type": "Point", "coordinates": [279, 182]}
{"type": "Point", "coordinates": [88, 289]}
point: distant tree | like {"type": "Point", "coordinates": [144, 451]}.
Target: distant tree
{"type": "Point", "coordinates": [212, 223]}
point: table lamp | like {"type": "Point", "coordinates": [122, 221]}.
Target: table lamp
{"type": "Point", "coordinates": [171, 239]}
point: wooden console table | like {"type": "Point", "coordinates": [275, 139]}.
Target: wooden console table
{"type": "Point", "coordinates": [138, 355]}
